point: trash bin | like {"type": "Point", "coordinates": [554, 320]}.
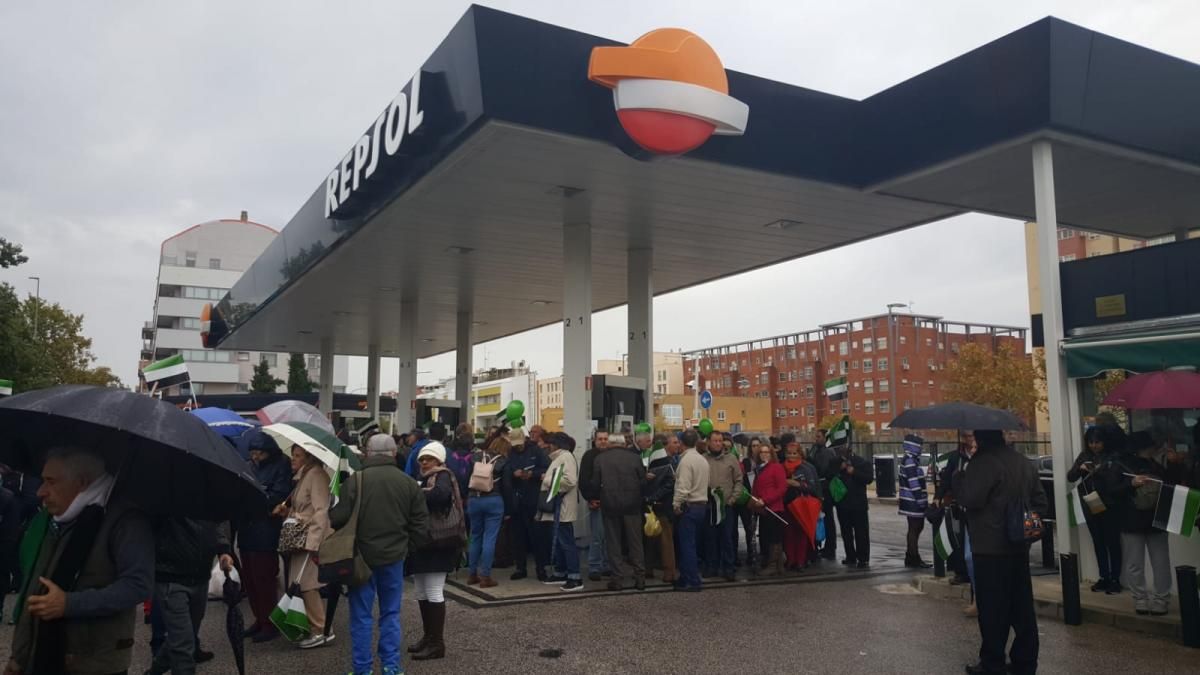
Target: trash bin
{"type": "Point", "coordinates": [885, 476]}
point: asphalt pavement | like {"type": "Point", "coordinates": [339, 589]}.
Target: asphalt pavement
{"type": "Point", "coordinates": [864, 625]}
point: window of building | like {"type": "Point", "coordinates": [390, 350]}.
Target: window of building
{"type": "Point", "coordinates": [214, 263]}
{"type": "Point", "coordinates": [881, 343]}
{"type": "Point", "coordinates": [903, 340]}
{"type": "Point", "coordinates": [808, 372]}
{"type": "Point", "coordinates": [170, 260]}
{"type": "Point", "coordinates": [857, 406]}
{"type": "Point", "coordinates": [954, 348]}
{"type": "Point", "coordinates": [881, 365]}
{"type": "Point", "coordinates": [868, 344]}
{"type": "Point", "coordinates": [868, 365]}
{"type": "Point", "coordinates": [189, 259]}
{"type": "Point", "coordinates": [1066, 258]}
{"type": "Point", "coordinates": [831, 369]}
{"type": "Point", "coordinates": [932, 363]}
{"type": "Point", "coordinates": [791, 353]}
{"type": "Point", "coordinates": [202, 293]}
{"type": "Point", "coordinates": [206, 356]}
{"type": "Point", "coordinates": [814, 354]}
{"type": "Point", "coordinates": [885, 406]}
{"type": "Point", "coordinates": [845, 367]}
{"type": "Point", "coordinates": [720, 415]}
{"type": "Point", "coordinates": [931, 383]}
{"type": "Point", "coordinates": [928, 342]}
{"type": "Point", "coordinates": [908, 405]}
{"type": "Point", "coordinates": [782, 376]}
{"type": "Point", "coordinates": [1065, 233]}
{"type": "Point", "coordinates": [854, 365]}
{"type": "Point", "coordinates": [673, 414]}
{"type": "Point", "coordinates": [271, 358]}
{"type": "Point", "coordinates": [243, 388]}
{"type": "Point", "coordinates": [189, 323]}
{"type": "Point", "coordinates": [793, 393]}
{"type": "Point", "coordinates": [869, 386]}
{"type": "Point", "coordinates": [727, 381]}
{"type": "Point", "coordinates": [832, 348]}
{"type": "Point", "coordinates": [870, 405]}
{"type": "Point", "coordinates": [883, 385]}
{"type": "Point", "coordinates": [243, 356]}
{"type": "Point", "coordinates": [904, 362]}
{"type": "Point", "coordinates": [843, 348]}
{"type": "Point", "coordinates": [313, 362]}
{"type": "Point", "coordinates": [845, 405]}
{"type": "Point", "coordinates": [794, 412]}
{"type": "Point", "coordinates": [810, 410]}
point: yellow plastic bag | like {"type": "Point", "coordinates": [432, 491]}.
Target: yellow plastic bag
{"type": "Point", "coordinates": [652, 528]}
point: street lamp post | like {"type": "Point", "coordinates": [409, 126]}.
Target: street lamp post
{"type": "Point", "coordinates": [892, 355]}
{"type": "Point", "coordinates": [37, 303]}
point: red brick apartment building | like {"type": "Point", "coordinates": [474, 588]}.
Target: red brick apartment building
{"type": "Point", "coordinates": [891, 362]}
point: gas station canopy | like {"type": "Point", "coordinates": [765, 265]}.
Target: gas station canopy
{"type": "Point", "coordinates": [457, 193]}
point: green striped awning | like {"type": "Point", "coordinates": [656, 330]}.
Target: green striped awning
{"type": "Point", "coordinates": [1139, 352]}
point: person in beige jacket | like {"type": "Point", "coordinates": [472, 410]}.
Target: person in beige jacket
{"type": "Point", "coordinates": [724, 484]}
{"type": "Point", "coordinates": [309, 504]}
{"type": "Point", "coordinates": [562, 502]}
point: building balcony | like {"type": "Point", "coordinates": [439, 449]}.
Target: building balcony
{"type": "Point", "coordinates": [148, 330]}
{"type": "Point", "coordinates": [225, 373]}
{"type": "Point", "coordinates": [181, 307]}
{"type": "Point", "coordinates": [173, 338]}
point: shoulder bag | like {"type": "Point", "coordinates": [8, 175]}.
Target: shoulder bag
{"type": "Point", "coordinates": [293, 536]}
{"type": "Point", "coordinates": [340, 561]}
{"type": "Point", "coordinates": [447, 530]}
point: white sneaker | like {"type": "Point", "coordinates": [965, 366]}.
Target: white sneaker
{"type": "Point", "coordinates": [316, 641]}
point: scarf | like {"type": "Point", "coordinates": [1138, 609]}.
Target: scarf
{"type": "Point", "coordinates": [790, 466]}
{"type": "Point", "coordinates": [79, 533]}
{"type": "Point", "coordinates": [95, 494]}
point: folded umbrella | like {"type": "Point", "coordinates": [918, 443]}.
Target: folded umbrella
{"type": "Point", "coordinates": [1173, 389]}
{"type": "Point", "coordinates": [289, 615]}
{"type": "Point", "coordinates": [806, 510]}
{"type": "Point", "coordinates": [235, 625]}
{"type": "Point", "coordinates": [166, 461]}
{"type": "Point", "coordinates": [958, 415]}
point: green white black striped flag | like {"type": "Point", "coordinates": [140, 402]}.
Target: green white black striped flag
{"type": "Point", "coordinates": [6, 387]}
{"type": "Point", "coordinates": [1178, 506]}
{"type": "Point", "coordinates": [836, 389]}
{"type": "Point", "coordinates": [169, 372]}
{"type": "Point", "coordinates": [839, 434]}
{"type": "Point", "coordinates": [943, 543]}
{"type": "Point", "coordinates": [555, 483]}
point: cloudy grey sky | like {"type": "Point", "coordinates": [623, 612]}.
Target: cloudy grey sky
{"type": "Point", "coordinates": [122, 123]}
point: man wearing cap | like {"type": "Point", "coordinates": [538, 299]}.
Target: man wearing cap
{"type": "Point", "coordinates": [526, 465]}
{"type": "Point", "coordinates": [392, 520]}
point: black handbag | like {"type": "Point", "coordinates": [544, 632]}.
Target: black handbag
{"type": "Point", "coordinates": [546, 504]}
{"type": "Point", "coordinates": [447, 529]}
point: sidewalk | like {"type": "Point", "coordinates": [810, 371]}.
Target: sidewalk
{"type": "Point", "coordinates": [1098, 608]}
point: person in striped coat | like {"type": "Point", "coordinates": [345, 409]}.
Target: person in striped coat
{"type": "Point", "coordinates": [913, 499]}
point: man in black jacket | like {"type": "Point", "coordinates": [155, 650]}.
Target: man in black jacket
{"type": "Point", "coordinates": [998, 484]}
{"type": "Point", "coordinates": [619, 479]}
{"type": "Point", "coordinates": [956, 517]}
{"type": "Point", "coordinates": [184, 550]}
{"type": "Point", "coordinates": [660, 490]}
{"type": "Point", "coordinates": [526, 465]}
{"type": "Point", "coordinates": [856, 473]}
{"type": "Point", "coordinates": [598, 563]}
{"type": "Point", "coordinates": [826, 462]}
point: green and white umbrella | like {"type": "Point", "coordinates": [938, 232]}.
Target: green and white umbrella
{"type": "Point", "coordinates": [331, 452]}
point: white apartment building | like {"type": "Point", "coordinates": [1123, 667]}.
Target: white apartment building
{"type": "Point", "coordinates": [198, 266]}
{"type": "Point", "coordinates": [491, 392]}
{"type": "Point", "coordinates": [550, 393]}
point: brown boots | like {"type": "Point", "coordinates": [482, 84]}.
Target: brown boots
{"type": "Point", "coordinates": [487, 582]}
{"type": "Point", "coordinates": [433, 615]}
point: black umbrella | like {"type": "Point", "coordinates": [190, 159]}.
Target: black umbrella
{"type": "Point", "coordinates": [235, 625]}
{"type": "Point", "coordinates": [958, 416]}
{"type": "Point", "coordinates": [165, 460]}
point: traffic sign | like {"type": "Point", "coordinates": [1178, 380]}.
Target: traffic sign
{"type": "Point", "coordinates": [706, 399]}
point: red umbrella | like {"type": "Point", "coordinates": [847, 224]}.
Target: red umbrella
{"type": "Point", "coordinates": [806, 510]}
{"type": "Point", "coordinates": [1163, 389]}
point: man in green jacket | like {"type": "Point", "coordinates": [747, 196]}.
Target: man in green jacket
{"type": "Point", "coordinates": [392, 520]}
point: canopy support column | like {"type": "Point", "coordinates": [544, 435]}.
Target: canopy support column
{"type": "Point", "coordinates": [577, 320]}
{"type": "Point", "coordinates": [406, 388]}
{"type": "Point", "coordinates": [373, 358]}
{"type": "Point", "coordinates": [463, 369]}
{"type": "Point", "coordinates": [1057, 392]}
{"type": "Point", "coordinates": [640, 288]}
{"type": "Point", "coordinates": [325, 397]}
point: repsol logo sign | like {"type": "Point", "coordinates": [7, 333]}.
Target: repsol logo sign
{"type": "Point", "coordinates": [377, 147]}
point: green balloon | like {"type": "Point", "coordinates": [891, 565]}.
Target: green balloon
{"type": "Point", "coordinates": [514, 411]}
{"type": "Point", "coordinates": [516, 423]}
{"type": "Point", "coordinates": [643, 428]}
{"type": "Point", "coordinates": [705, 427]}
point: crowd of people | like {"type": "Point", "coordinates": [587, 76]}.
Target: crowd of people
{"type": "Point", "coordinates": [428, 503]}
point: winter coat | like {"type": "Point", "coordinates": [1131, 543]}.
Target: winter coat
{"type": "Point", "coordinates": [856, 483]}
{"type": "Point", "coordinates": [438, 489]}
{"type": "Point", "coordinates": [392, 518]}
{"type": "Point", "coordinates": [945, 486]}
{"type": "Point", "coordinates": [260, 531]}
{"type": "Point", "coordinates": [525, 491]}
{"type": "Point", "coordinates": [660, 490]}
{"type": "Point", "coordinates": [1117, 491]}
{"type": "Point", "coordinates": [914, 498]}
{"type": "Point", "coordinates": [568, 510]}
{"type": "Point", "coordinates": [310, 504]}
{"type": "Point", "coordinates": [770, 485]}
{"type": "Point", "coordinates": [587, 486]}
{"type": "Point", "coordinates": [809, 479]}
{"type": "Point", "coordinates": [824, 459]}
{"type": "Point", "coordinates": [184, 549]}
{"type": "Point", "coordinates": [995, 481]}
{"type": "Point", "coordinates": [619, 478]}
{"type": "Point", "coordinates": [724, 474]}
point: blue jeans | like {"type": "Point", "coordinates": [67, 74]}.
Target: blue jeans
{"type": "Point", "coordinates": [691, 523]}
{"type": "Point", "coordinates": [566, 554]}
{"type": "Point", "coordinates": [719, 544]}
{"type": "Point", "coordinates": [388, 582]}
{"type": "Point", "coordinates": [485, 514]}
{"type": "Point", "coordinates": [597, 555]}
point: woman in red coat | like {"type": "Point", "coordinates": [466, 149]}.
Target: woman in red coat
{"type": "Point", "coordinates": [769, 488]}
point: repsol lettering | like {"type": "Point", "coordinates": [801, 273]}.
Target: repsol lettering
{"type": "Point", "coordinates": [399, 119]}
